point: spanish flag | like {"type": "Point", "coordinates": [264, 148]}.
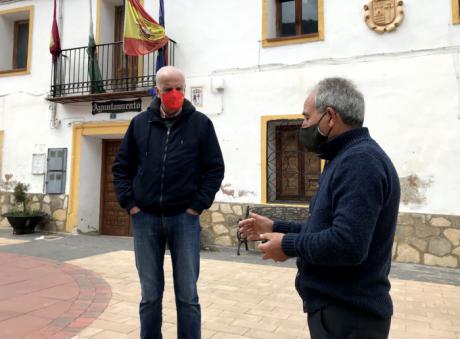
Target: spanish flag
{"type": "Point", "coordinates": [142, 35]}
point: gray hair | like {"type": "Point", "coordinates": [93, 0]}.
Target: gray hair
{"type": "Point", "coordinates": [342, 95]}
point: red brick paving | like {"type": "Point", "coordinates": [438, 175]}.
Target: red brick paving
{"type": "Point", "coordinates": [41, 298]}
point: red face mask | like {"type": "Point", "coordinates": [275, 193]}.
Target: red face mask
{"type": "Point", "coordinates": [172, 100]}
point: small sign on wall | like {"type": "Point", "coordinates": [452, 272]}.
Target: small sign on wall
{"type": "Point", "coordinates": [38, 163]}
{"type": "Point", "coordinates": [116, 106]}
{"type": "Point", "coordinates": [197, 96]}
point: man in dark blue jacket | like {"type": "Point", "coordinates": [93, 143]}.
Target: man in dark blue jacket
{"type": "Point", "coordinates": [167, 171]}
{"type": "Point", "coordinates": [344, 249]}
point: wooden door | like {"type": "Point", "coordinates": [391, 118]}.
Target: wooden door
{"type": "Point", "coordinates": [114, 219]}
{"type": "Point", "coordinates": [124, 66]}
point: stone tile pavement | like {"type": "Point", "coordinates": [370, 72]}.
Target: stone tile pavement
{"type": "Point", "coordinates": [242, 297]}
{"type": "Point", "coordinates": [241, 300]}
{"type": "Point", "coordinates": [7, 242]}
{"type": "Point", "coordinates": [42, 298]}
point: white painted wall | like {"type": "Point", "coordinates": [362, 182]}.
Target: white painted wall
{"type": "Point", "coordinates": [25, 126]}
{"type": "Point", "coordinates": [409, 79]}
{"type": "Point", "coordinates": [6, 40]}
{"type": "Point", "coordinates": [233, 29]}
{"type": "Point", "coordinates": [412, 111]}
{"type": "Point", "coordinates": [90, 178]}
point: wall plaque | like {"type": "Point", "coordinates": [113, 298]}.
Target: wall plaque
{"type": "Point", "coordinates": [383, 15]}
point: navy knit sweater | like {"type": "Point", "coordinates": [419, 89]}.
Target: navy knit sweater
{"type": "Point", "coordinates": [344, 249]}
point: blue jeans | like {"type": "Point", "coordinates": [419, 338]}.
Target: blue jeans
{"type": "Point", "coordinates": [182, 233]}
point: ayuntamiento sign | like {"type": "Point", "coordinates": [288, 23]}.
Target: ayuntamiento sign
{"type": "Point", "coordinates": [116, 106]}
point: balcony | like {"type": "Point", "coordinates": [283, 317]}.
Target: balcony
{"type": "Point", "coordinates": [121, 76]}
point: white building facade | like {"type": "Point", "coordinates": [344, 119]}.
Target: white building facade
{"type": "Point", "coordinates": [249, 63]}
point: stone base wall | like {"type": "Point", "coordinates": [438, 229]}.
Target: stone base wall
{"type": "Point", "coordinates": [428, 239]}
{"type": "Point", "coordinates": [219, 223]}
{"type": "Point", "coordinates": [420, 238]}
{"type": "Point", "coordinates": [54, 205]}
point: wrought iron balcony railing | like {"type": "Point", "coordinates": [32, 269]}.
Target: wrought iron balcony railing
{"type": "Point", "coordinates": [116, 73]}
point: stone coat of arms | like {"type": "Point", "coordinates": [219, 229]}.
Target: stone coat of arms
{"type": "Point", "coordinates": [384, 15]}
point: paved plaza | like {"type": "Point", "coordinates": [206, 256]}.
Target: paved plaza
{"type": "Point", "coordinates": [64, 286]}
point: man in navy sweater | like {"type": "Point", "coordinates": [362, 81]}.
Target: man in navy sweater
{"type": "Point", "coordinates": [167, 171]}
{"type": "Point", "coordinates": [344, 249]}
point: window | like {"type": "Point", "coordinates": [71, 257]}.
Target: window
{"type": "Point", "coordinates": [15, 39]}
{"type": "Point", "coordinates": [456, 12]}
{"type": "Point", "coordinates": [292, 21]}
{"type": "Point", "coordinates": [296, 17]}
{"type": "Point", "coordinates": [292, 172]}
{"type": "Point", "coordinates": [21, 38]}
{"type": "Point", "coordinates": [56, 170]}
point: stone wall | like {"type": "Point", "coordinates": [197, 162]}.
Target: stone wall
{"type": "Point", "coordinates": [219, 223]}
{"type": "Point", "coordinates": [428, 239]}
{"type": "Point", "coordinates": [420, 238]}
{"type": "Point", "coordinates": [54, 205]}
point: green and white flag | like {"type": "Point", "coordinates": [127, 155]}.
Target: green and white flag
{"type": "Point", "coordinates": [94, 71]}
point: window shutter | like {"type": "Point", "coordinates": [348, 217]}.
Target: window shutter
{"type": "Point", "coordinates": [57, 159]}
{"type": "Point", "coordinates": [56, 170]}
{"type": "Point", "coordinates": [55, 182]}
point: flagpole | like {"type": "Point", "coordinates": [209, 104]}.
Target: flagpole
{"type": "Point", "coordinates": [91, 17]}
{"type": "Point", "coordinates": [55, 59]}
{"type": "Point", "coordinates": [90, 70]}
{"type": "Point", "coordinates": [161, 52]}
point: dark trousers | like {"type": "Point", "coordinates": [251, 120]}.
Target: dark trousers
{"type": "Point", "coordinates": [344, 322]}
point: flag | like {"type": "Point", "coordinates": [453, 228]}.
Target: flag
{"type": "Point", "coordinates": [162, 52]}
{"type": "Point", "coordinates": [161, 16]}
{"type": "Point", "coordinates": [93, 65]}
{"type": "Point", "coordinates": [142, 35]}
{"type": "Point", "coordinates": [55, 41]}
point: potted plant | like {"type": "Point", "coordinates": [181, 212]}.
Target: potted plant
{"type": "Point", "coordinates": [21, 218]}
